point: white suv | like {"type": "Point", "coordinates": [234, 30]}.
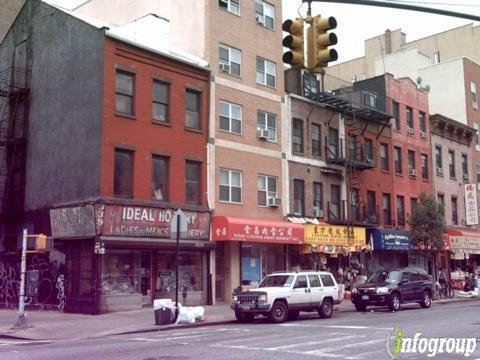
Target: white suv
{"type": "Point", "coordinates": [282, 295]}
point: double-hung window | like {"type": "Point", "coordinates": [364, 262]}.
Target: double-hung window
{"type": "Point", "coordinates": [230, 117]}
{"type": "Point", "coordinates": [298, 197]}
{"type": "Point", "coordinates": [396, 115]}
{"type": "Point", "coordinates": [265, 14]}
{"type": "Point", "coordinates": [124, 89]}
{"type": "Point", "coordinates": [409, 113]}
{"type": "Point", "coordinates": [397, 153]}
{"type": "Point", "coordinates": [266, 72]}
{"type": "Point", "coordinates": [424, 161]}
{"type": "Point", "coordinates": [230, 60]}
{"type": "Point", "coordinates": [160, 101]}
{"type": "Point", "coordinates": [267, 121]}
{"type": "Point", "coordinates": [316, 140]}
{"type": "Point", "coordinates": [192, 111]}
{"type": "Point", "coordinates": [451, 163]}
{"type": "Point", "coordinates": [266, 188]}
{"type": "Point", "coordinates": [232, 6]}
{"type": "Point", "coordinates": [297, 136]}
{"type": "Point", "coordinates": [230, 186]}
{"type": "Point", "coordinates": [123, 173]}
{"type": "Point", "coordinates": [473, 90]}
{"type": "Point", "coordinates": [160, 177]}
{"type": "Point", "coordinates": [192, 182]}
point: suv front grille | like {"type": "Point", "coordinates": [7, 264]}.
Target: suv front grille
{"type": "Point", "coordinates": [247, 298]}
{"type": "Point", "coordinates": [368, 291]}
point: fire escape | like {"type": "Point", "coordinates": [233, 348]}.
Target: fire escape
{"type": "Point", "coordinates": [14, 95]}
{"type": "Point", "coordinates": [355, 154]}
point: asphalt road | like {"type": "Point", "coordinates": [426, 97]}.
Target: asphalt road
{"type": "Point", "coordinates": [347, 335]}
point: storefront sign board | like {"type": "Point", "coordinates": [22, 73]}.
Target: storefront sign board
{"type": "Point", "coordinates": [471, 206]}
{"type": "Point", "coordinates": [70, 222]}
{"type": "Point", "coordinates": [384, 239]}
{"type": "Point", "coordinates": [334, 235]}
{"type": "Point", "coordinates": [141, 221]}
{"type": "Point", "coordinates": [465, 244]}
{"type": "Point", "coordinates": [236, 229]}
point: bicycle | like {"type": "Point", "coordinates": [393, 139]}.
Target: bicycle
{"type": "Point", "coordinates": [446, 291]}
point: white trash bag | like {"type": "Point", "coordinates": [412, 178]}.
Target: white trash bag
{"type": "Point", "coordinates": [198, 311]}
{"type": "Point", "coordinates": [186, 315]}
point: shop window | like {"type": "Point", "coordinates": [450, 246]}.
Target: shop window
{"type": "Point", "coordinates": [121, 272]}
{"type": "Point", "coordinates": [192, 182]}
{"type": "Point", "coordinates": [259, 261]}
{"type": "Point", "coordinates": [123, 173]}
{"type": "Point", "coordinates": [160, 177]}
{"type": "Point", "coordinates": [124, 93]}
{"type": "Point", "coordinates": [192, 119]}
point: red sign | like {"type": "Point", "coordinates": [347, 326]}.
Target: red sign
{"type": "Point", "coordinates": [121, 220]}
{"type": "Point", "coordinates": [236, 229]}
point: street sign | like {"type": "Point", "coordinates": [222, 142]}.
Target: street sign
{"type": "Point", "coordinates": [183, 225]}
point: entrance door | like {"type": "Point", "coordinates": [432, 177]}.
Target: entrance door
{"type": "Point", "coordinates": [219, 272]}
{"type": "Point", "coordinates": [146, 277]}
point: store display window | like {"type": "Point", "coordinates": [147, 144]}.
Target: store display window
{"type": "Point", "coordinates": [121, 272]}
{"type": "Point", "coordinates": [261, 260]}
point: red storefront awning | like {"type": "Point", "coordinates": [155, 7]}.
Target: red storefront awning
{"type": "Point", "coordinates": [462, 241]}
{"type": "Point", "coordinates": [461, 232]}
{"type": "Point", "coordinates": [226, 228]}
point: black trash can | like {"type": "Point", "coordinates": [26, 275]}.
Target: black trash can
{"type": "Point", "coordinates": [163, 316]}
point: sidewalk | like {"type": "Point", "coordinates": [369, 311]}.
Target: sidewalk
{"type": "Point", "coordinates": [52, 325]}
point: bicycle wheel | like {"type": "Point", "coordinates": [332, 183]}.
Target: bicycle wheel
{"type": "Point", "coordinates": [450, 292]}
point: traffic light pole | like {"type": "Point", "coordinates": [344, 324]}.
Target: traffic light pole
{"type": "Point", "coordinates": [397, 6]}
{"type": "Point", "coordinates": [22, 315]}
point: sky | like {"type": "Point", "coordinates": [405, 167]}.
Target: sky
{"type": "Point", "coordinates": [356, 23]}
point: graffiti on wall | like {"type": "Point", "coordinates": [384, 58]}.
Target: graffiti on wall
{"type": "Point", "coordinates": [51, 282]}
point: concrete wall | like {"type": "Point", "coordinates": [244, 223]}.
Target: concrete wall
{"type": "Point", "coordinates": [402, 64]}
{"type": "Point", "coordinates": [66, 59]}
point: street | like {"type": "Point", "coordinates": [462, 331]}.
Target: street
{"type": "Point", "coordinates": [348, 335]}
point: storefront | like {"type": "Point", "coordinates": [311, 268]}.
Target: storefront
{"type": "Point", "coordinates": [465, 249]}
{"type": "Point", "coordinates": [338, 249]}
{"type": "Point", "coordinates": [248, 249]}
{"type": "Point", "coordinates": [134, 255]}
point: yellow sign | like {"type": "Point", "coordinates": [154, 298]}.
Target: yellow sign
{"type": "Point", "coordinates": [334, 235]}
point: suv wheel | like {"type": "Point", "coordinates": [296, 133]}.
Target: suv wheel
{"type": "Point", "coordinates": [279, 312]}
{"type": "Point", "coordinates": [326, 309]}
{"type": "Point", "coordinates": [244, 317]}
{"type": "Point", "coordinates": [360, 306]}
{"type": "Point", "coordinates": [426, 300]}
{"type": "Point", "coordinates": [394, 304]}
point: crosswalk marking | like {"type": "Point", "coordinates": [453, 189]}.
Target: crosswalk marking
{"type": "Point", "coordinates": [341, 347]}
{"type": "Point", "coordinates": [310, 343]}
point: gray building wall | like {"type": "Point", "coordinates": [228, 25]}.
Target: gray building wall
{"type": "Point", "coordinates": [8, 12]}
{"type": "Point", "coordinates": [66, 102]}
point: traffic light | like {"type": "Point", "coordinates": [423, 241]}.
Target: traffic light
{"type": "Point", "coordinates": [318, 41]}
{"type": "Point", "coordinates": [294, 42]}
{"type": "Point", "coordinates": [41, 243]}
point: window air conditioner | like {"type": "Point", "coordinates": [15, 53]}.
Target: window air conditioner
{"type": "Point", "coordinates": [263, 133]}
{"type": "Point", "coordinates": [423, 134]}
{"type": "Point", "coordinates": [412, 172]}
{"type": "Point", "coordinates": [260, 19]}
{"type": "Point", "coordinates": [225, 67]}
{"type": "Point", "coordinates": [274, 202]}
{"type": "Point", "coordinates": [439, 171]}
{"type": "Point", "coordinates": [465, 177]}
{"type": "Point", "coordinates": [410, 130]}
{"type": "Point", "coordinates": [317, 212]}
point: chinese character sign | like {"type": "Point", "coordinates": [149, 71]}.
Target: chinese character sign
{"type": "Point", "coordinates": [471, 207]}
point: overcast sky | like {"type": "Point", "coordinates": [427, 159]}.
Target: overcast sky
{"type": "Point", "coordinates": [359, 22]}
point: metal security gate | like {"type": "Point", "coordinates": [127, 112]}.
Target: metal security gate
{"type": "Point", "coordinates": [82, 274]}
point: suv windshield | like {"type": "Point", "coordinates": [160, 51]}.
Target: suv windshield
{"type": "Point", "coordinates": [277, 281]}
{"type": "Point", "coordinates": [385, 276]}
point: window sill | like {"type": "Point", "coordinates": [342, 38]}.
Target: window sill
{"type": "Point", "coordinates": [229, 202]}
{"type": "Point", "coordinates": [398, 174]}
{"type": "Point", "coordinates": [198, 131]}
{"type": "Point", "coordinates": [265, 27]}
{"type": "Point", "coordinates": [125, 116]}
{"type": "Point", "coordinates": [229, 132]}
{"type": "Point", "coordinates": [268, 86]}
{"type": "Point", "coordinates": [298, 153]}
{"type": "Point", "coordinates": [161, 123]}
{"type": "Point", "coordinates": [220, 72]}
{"type": "Point", "coordinates": [385, 171]}
{"type": "Point", "coordinates": [232, 13]}
{"type": "Point", "coordinates": [426, 180]}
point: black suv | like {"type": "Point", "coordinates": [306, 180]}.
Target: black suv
{"type": "Point", "coordinates": [391, 287]}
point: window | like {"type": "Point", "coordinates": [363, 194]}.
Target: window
{"type": "Point", "coordinates": [266, 72]}
{"type": "Point", "coordinates": [301, 282]}
{"type": "Point", "coordinates": [317, 196]}
{"type": "Point", "coordinates": [396, 115]}
{"type": "Point", "coordinates": [232, 6]}
{"type": "Point", "coordinates": [123, 173]}
{"type": "Point", "coordinates": [422, 122]}
{"type": "Point", "coordinates": [369, 99]}
{"type": "Point", "coordinates": [160, 101]}
{"type": "Point", "coordinates": [311, 85]}
{"type": "Point", "coordinates": [335, 201]}
{"type": "Point", "coordinates": [297, 136]}
{"type": "Point", "coordinates": [265, 14]}
{"type": "Point", "coordinates": [230, 186]}
{"type": "Point", "coordinates": [397, 153]}
{"type": "Point", "coordinates": [316, 140]}
{"type": "Point", "coordinates": [160, 177]}
{"type": "Point", "coordinates": [332, 143]}
{"type": "Point", "coordinates": [230, 117]}
{"type": "Point", "coordinates": [368, 148]}
{"type": "Point", "coordinates": [327, 280]}
{"type": "Point", "coordinates": [266, 188]}
{"type": "Point", "coordinates": [387, 217]}
{"type": "Point", "coordinates": [314, 281]}
{"type": "Point", "coordinates": [409, 113]}
{"type": "Point", "coordinates": [424, 161]}
{"type": "Point", "coordinates": [441, 202]}
{"type": "Point", "coordinates": [230, 60]}
{"type": "Point", "coordinates": [473, 89]}
{"type": "Point", "coordinates": [454, 211]}
{"type": "Point", "coordinates": [268, 122]}
{"type": "Point", "coordinates": [371, 207]}
{"type": "Point", "coordinates": [298, 197]}
{"type": "Point", "coordinates": [477, 137]}
{"type": "Point", "coordinates": [193, 110]}
{"type": "Point", "coordinates": [451, 163]}
{"type": "Point", "coordinates": [438, 160]}
{"type": "Point", "coordinates": [192, 182]}
{"type": "Point", "coordinates": [464, 168]}
{"type": "Point", "coordinates": [436, 57]}
{"type": "Point", "coordinates": [355, 205]}
{"type": "Point", "coordinates": [124, 92]}
{"type": "Point", "coordinates": [384, 157]}
{"type": "Point", "coordinates": [352, 147]}
{"type": "Point", "coordinates": [411, 162]}
{"type": "Point", "coordinates": [400, 211]}
{"type": "Point", "coordinates": [478, 172]}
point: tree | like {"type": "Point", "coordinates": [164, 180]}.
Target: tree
{"type": "Point", "coordinates": [427, 224]}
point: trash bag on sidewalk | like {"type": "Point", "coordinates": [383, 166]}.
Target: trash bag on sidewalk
{"type": "Point", "coordinates": [186, 315]}
{"type": "Point", "coordinates": [199, 312]}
